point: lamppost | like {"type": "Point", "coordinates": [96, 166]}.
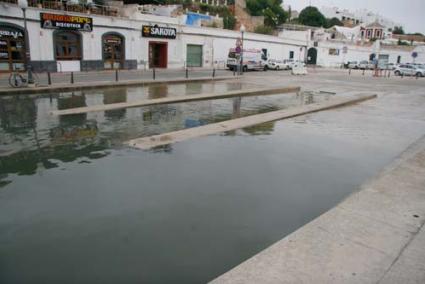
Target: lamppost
{"type": "Point", "coordinates": [242, 30]}
{"type": "Point", "coordinates": [23, 4]}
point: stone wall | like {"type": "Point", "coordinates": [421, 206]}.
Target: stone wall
{"type": "Point", "coordinates": [243, 17]}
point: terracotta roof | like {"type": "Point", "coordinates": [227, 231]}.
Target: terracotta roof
{"type": "Point", "coordinates": [375, 24]}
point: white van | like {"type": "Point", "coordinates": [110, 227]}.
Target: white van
{"type": "Point", "coordinates": [253, 59]}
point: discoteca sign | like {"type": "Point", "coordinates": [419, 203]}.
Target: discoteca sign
{"type": "Point", "coordinates": [55, 21]}
{"type": "Point", "coordinates": [159, 32]}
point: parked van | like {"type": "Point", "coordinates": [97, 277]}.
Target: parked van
{"type": "Point", "coordinates": [253, 59]}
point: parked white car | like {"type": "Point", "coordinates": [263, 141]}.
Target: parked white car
{"type": "Point", "coordinates": [353, 65]}
{"type": "Point", "coordinates": [364, 64]}
{"type": "Point", "coordinates": [292, 62]}
{"type": "Point", "coordinates": [409, 70]}
{"type": "Point", "coordinates": [277, 65]}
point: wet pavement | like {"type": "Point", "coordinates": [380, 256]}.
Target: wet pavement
{"type": "Point", "coordinates": [78, 207]}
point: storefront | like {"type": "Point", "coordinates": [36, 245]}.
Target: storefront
{"type": "Point", "coordinates": [194, 55]}
{"type": "Point", "coordinates": [158, 50]}
{"type": "Point", "coordinates": [12, 47]}
{"type": "Point", "coordinates": [113, 51]}
{"type": "Point", "coordinates": [158, 54]}
{"type": "Point", "coordinates": [67, 39]}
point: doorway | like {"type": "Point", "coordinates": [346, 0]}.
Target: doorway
{"type": "Point", "coordinates": [12, 48]}
{"type": "Point", "coordinates": [312, 56]}
{"type": "Point", "coordinates": [113, 51]}
{"type": "Point", "coordinates": [158, 54]}
{"type": "Point", "coordinates": [194, 55]}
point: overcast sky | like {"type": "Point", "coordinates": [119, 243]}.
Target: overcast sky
{"type": "Point", "coordinates": [409, 13]}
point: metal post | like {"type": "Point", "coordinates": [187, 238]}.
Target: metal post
{"type": "Point", "coordinates": [213, 73]}
{"type": "Point", "coordinates": [363, 71]}
{"type": "Point", "coordinates": [72, 77]}
{"type": "Point", "coordinates": [153, 73]}
{"type": "Point", "coordinates": [241, 69]}
{"type": "Point", "coordinates": [49, 78]}
{"type": "Point", "coordinates": [234, 71]}
{"type": "Point", "coordinates": [27, 49]}
{"type": "Point", "coordinates": [349, 71]}
{"type": "Point", "coordinates": [116, 75]}
{"type": "Point", "coordinates": [187, 73]}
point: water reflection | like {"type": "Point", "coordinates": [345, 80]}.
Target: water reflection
{"type": "Point", "coordinates": [31, 138]}
{"type": "Point", "coordinates": [113, 96]}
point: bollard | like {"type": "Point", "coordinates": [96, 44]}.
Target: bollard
{"type": "Point", "coordinates": [349, 71]}
{"type": "Point", "coordinates": [234, 71]}
{"type": "Point", "coordinates": [417, 76]}
{"type": "Point", "coordinates": [402, 75]}
{"type": "Point", "coordinates": [213, 73]}
{"type": "Point", "coordinates": [187, 73]}
{"type": "Point", "coordinates": [116, 75]}
{"type": "Point", "coordinates": [49, 78]}
{"type": "Point", "coordinates": [153, 73]}
{"type": "Point", "coordinates": [389, 73]}
{"type": "Point", "coordinates": [72, 77]}
{"type": "Point", "coordinates": [363, 71]}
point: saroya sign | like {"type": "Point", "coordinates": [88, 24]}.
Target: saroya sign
{"type": "Point", "coordinates": [159, 32]}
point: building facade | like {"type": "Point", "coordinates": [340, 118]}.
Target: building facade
{"type": "Point", "coordinates": [69, 41]}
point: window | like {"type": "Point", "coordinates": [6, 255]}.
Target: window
{"type": "Point", "coordinates": [67, 45]}
{"type": "Point", "coordinates": [291, 55]}
{"type": "Point", "coordinates": [333, 51]}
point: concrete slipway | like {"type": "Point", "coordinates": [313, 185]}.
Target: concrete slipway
{"type": "Point", "coordinates": [375, 236]}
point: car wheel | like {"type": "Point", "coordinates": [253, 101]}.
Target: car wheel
{"type": "Point", "coordinates": [266, 67]}
{"type": "Point", "coordinates": [397, 73]}
{"type": "Point", "coordinates": [419, 74]}
{"type": "Point", "coordinates": [245, 69]}
{"type": "Point", "coordinates": [277, 68]}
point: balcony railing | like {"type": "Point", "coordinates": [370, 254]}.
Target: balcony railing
{"type": "Point", "coordinates": [67, 6]}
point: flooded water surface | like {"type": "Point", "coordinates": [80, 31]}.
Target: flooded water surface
{"type": "Point", "coordinates": [76, 206]}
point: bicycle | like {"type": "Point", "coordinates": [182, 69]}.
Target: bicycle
{"type": "Point", "coordinates": [18, 80]}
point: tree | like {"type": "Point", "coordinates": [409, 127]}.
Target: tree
{"type": "Point", "coordinates": [398, 30]}
{"type": "Point", "coordinates": [333, 22]}
{"type": "Point", "coordinates": [311, 16]}
{"type": "Point", "coordinates": [272, 11]}
{"type": "Point", "coordinates": [144, 2]}
{"type": "Point", "coordinates": [266, 30]}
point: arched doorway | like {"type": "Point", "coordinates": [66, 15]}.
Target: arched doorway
{"type": "Point", "coordinates": [372, 56]}
{"type": "Point", "coordinates": [113, 46]}
{"type": "Point", "coordinates": [67, 50]}
{"type": "Point", "coordinates": [12, 47]}
{"type": "Point", "coordinates": [312, 56]}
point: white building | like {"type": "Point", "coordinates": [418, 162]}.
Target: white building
{"type": "Point", "coordinates": [357, 17]}
{"type": "Point", "coordinates": [69, 41]}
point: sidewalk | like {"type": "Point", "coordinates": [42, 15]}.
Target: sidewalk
{"type": "Point", "coordinates": [376, 235]}
{"type": "Point", "coordinates": [123, 75]}
{"type": "Point", "coordinates": [99, 79]}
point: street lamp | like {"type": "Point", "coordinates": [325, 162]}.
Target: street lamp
{"type": "Point", "coordinates": [242, 30]}
{"type": "Point", "coordinates": [23, 4]}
